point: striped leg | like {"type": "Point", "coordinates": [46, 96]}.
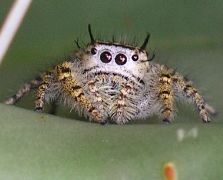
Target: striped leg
{"type": "Point", "coordinates": [97, 99]}
{"type": "Point", "coordinates": [123, 110]}
{"type": "Point", "coordinates": [23, 90]}
{"type": "Point", "coordinates": [41, 90]}
{"type": "Point", "coordinates": [74, 91]}
{"type": "Point", "coordinates": [40, 97]}
{"type": "Point", "coordinates": [166, 97]}
{"type": "Point", "coordinates": [186, 88]}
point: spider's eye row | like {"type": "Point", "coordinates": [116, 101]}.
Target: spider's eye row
{"type": "Point", "coordinates": [106, 57]}
{"type": "Point", "coordinates": [120, 59]}
{"type": "Point", "coordinates": [93, 51]}
{"type": "Point", "coordinates": [135, 57]}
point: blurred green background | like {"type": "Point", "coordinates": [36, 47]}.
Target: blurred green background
{"type": "Point", "coordinates": [186, 34]}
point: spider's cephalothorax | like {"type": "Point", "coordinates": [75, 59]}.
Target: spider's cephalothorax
{"type": "Point", "coordinates": [115, 82]}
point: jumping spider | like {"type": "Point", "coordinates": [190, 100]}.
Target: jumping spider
{"type": "Point", "coordinates": [109, 81]}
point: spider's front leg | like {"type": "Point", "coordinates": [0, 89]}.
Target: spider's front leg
{"type": "Point", "coordinates": [40, 93]}
{"type": "Point", "coordinates": [165, 96]}
{"type": "Point", "coordinates": [69, 91]}
{"type": "Point", "coordinates": [186, 89]}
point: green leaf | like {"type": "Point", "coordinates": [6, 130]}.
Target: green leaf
{"type": "Point", "coordinates": [41, 146]}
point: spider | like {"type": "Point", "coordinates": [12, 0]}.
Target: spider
{"type": "Point", "coordinates": [114, 82]}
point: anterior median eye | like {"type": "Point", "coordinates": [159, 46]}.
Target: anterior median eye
{"type": "Point", "coordinates": [120, 59]}
{"type": "Point", "coordinates": [106, 57]}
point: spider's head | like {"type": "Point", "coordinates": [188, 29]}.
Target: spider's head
{"type": "Point", "coordinates": [116, 57]}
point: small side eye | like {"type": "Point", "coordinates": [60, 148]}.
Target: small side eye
{"type": "Point", "coordinates": [106, 57]}
{"type": "Point", "coordinates": [135, 57]}
{"type": "Point", "coordinates": [93, 51]}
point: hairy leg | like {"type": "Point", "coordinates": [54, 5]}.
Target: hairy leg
{"type": "Point", "coordinates": [122, 109]}
{"type": "Point", "coordinates": [166, 96]}
{"type": "Point", "coordinates": [73, 90]}
{"type": "Point", "coordinates": [41, 90]}
{"type": "Point", "coordinates": [23, 91]}
{"type": "Point", "coordinates": [186, 88]}
{"type": "Point", "coordinates": [94, 88]}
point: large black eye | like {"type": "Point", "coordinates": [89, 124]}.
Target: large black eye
{"type": "Point", "coordinates": [93, 51]}
{"type": "Point", "coordinates": [106, 57]}
{"type": "Point", "coordinates": [120, 59]}
{"type": "Point", "coordinates": [135, 57]}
